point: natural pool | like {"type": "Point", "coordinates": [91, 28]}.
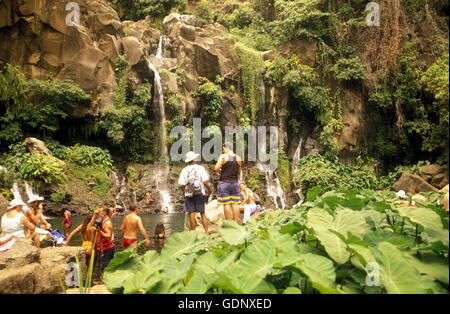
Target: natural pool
{"type": "Point", "coordinates": [172, 222]}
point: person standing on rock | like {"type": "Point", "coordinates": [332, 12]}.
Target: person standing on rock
{"type": "Point", "coordinates": [130, 226]}
{"type": "Point", "coordinates": [194, 179]}
{"type": "Point", "coordinates": [105, 235]}
{"type": "Point", "coordinates": [229, 167]}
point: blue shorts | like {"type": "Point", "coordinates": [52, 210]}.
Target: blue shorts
{"type": "Point", "coordinates": [194, 204]}
{"type": "Point", "coordinates": [228, 193]}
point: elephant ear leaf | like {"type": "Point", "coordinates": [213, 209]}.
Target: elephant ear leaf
{"type": "Point", "coordinates": [428, 219]}
{"type": "Point", "coordinates": [397, 274]}
{"type": "Point", "coordinates": [346, 221]}
{"type": "Point", "coordinates": [232, 233]}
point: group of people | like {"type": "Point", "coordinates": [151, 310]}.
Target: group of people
{"type": "Point", "coordinates": [24, 220]}
{"type": "Point", "coordinates": [98, 228]}
{"type": "Point", "coordinates": [194, 180]}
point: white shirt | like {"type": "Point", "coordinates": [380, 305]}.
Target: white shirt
{"type": "Point", "coordinates": [183, 180]}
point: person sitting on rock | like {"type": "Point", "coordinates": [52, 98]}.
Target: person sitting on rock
{"type": "Point", "coordinates": [248, 205]}
{"type": "Point", "coordinates": [87, 235]}
{"type": "Point", "coordinates": [15, 223]}
{"type": "Point", "coordinates": [36, 208]}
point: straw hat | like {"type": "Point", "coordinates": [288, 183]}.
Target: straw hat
{"type": "Point", "coordinates": [190, 156]}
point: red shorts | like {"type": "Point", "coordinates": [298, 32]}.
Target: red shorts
{"type": "Point", "coordinates": [126, 242]}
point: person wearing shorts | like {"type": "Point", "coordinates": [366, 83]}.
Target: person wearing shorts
{"type": "Point", "coordinates": [228, 191]}
{"type": "Point", "coordinates": [195, 203]}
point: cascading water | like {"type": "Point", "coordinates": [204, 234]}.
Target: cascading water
{"type": "Point", "coordinates": [297, 155]}
{"type": "Point", "coordinates": [163, 173]}
{"type": "Point", "coordinates": [274, 189]}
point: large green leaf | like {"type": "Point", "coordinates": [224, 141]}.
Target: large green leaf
{"type": "Point", "coordinates": [397, 274]}
{"type": "Point", "coordinates": [345, 221]}
{"type": "Point", "coordinates": [243, 284]}
{"type": "Point", "coordinates": [428, 219]}
{"type": "Point", "coordinates": [431, 264]}
{"type": "Point", "coordinates": [320, 271]}
{"type": "Point", "coordinates": [182, 243]}
{"type": "Point", "coordinates": [232, 233]}
{"type": "Point", "coordinates": [258, 259]}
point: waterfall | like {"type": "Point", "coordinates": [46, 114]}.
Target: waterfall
{"type": "Point", "coordinates": [162, 174]}
{"type": "Point", "coordinates": [297, 155]}
{"type": "Point", "coordinates": [159, 51]}
{"type": "Point", "coordinates": [274, 189]}
{"type": "Point", "coordinates": [160, 100]}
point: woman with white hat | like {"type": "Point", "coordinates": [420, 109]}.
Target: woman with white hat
{"type": "Point", "coordinates": [14, 222]}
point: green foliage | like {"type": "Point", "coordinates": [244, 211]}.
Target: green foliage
{"type": "Point", "coordinates": [37, 168]}
{"type": "Point", "coordinates": [34, 106]}
{"type": "Point", "coordinates": [251, 66]}
{"type": "Point", "coordinates": [316, 170]}
{"type": "Point", "coordinates": [300, 18]}
{"type": "Point", "coordinates": [139, 9]}
{"type": "Point", "coordinates": [348, 69]}
{"type": "Point", "coordinates": [89, 156]}
{"type": "Point", "coordinates": [412, 107]}
{"type": "Point", "coordinates": [322, 246]}
{"type": "Point", "coordinates": [101, 176]}
{"type": "Point", "coordinates": [436, 81]}
{"type": "Point", "coordinates": [284, 170]}
{"type": "Point", "coordinates": [58, 196]}
{"type": "Point", "coordinates": [127, 122]}
{"type": "Point", "coordinates": [210, 95]}
{"type": "Point", "coordinates": [204, 10]}
{"type": "Point", "coordinates": [388, 180]}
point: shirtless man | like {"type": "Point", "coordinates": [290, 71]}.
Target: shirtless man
{"type": "Point", "coordinates": [130, 226]}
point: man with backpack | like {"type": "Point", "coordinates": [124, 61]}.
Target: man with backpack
{"type": "Point", "coordinates": [194, 179]}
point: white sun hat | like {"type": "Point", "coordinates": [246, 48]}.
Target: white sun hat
{"type": "Point", "coordinates": [31, 196]}
{"type": "Point", "coordinates": [16, 202]}
{"type": "Point", "coordinates": [190, 156]}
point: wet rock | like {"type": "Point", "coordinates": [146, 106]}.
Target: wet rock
{"type": "Point", "coordinates": [406, 181]}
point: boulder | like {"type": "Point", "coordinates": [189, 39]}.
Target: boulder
{"type": "Point", "coordinates": [405, 182]}
{"type": "Point", "coordinates": [21, 254]}
{"type": "Point", "coordinates": [34, 145]}
{"type": "Point", "coordinates": [435, 175]}
{"type": "Point", "coordinates": [27, 269]}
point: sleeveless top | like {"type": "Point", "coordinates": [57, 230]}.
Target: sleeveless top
{"type": "Point", "coordinates": [13, 226]}
{"type": "Point", "coordinates": [230, 170]}
{"type": "Point", "coordinates": [105, 243]}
